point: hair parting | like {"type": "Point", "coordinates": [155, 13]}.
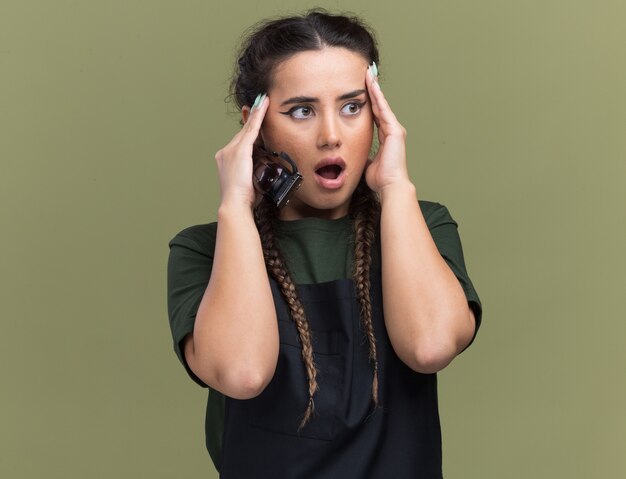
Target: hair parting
{"type": "Point", "coordinates": [273, 41]}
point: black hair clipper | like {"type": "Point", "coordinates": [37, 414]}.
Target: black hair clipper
{"type": "Point", "coordinates": [275, 181]}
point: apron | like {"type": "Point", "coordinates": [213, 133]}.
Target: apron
{"type": "Point", "coordinates": [346, 437]}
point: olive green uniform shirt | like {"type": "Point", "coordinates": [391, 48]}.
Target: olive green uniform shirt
{"type": "Point", "coordinates": [315, 250]}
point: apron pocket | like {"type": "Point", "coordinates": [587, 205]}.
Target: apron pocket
{"type": "Point", "coordinates": [281, 406]}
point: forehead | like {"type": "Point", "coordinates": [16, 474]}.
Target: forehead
{"type": "Point", "coordinates": [329, 71]}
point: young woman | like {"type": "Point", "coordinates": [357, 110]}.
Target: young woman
{"type": "Point", "coordinates": [318, 327]}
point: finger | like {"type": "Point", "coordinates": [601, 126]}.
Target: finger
{"type": "Point", "coordinates": [369, 82]}
{"type": "Point", "coordinates": [380, 107]}
{"type": "Point", "coordinates": [253, 125]}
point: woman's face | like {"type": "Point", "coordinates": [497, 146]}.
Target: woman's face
{"type": "Point", "coordinates": [320, 115]}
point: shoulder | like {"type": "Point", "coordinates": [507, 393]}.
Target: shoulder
{"type": "Point", "coordinates": [435, 213]}
{"type": "Point", "coordinates": [200, 238]}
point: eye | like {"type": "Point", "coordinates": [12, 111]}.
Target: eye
{"type": "Point", "coordinates": [299, 112]}
{"type": "Point", "coordinates": [352, 108]}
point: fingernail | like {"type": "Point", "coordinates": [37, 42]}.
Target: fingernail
{"type": "Point", "coordinates": [257, 101]}
{"type": "Point", "coordinates": [373, 69]}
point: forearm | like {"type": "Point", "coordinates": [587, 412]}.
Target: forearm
{"type": "Point", "coordinates": [234, 348]}
{"type": "Point", "coordinates": [426, 313]}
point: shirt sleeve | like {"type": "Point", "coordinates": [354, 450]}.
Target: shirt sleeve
{"type": "Point", "coordinates": [188, 271]}
{"type": "Point", "coordinates": [446, 236]}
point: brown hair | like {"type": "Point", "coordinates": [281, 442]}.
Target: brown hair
{"type": "Point", "coordinates": [364, 211]}
{"type": "Point", "coordinates": [269, 44]}
{"type": "Point", "coordinates": [272, 42]}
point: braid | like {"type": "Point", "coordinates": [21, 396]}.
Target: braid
{"type": "Point", "coordinates": [365, 210]}
{"type": "Point", "coordinates": [265, 215]}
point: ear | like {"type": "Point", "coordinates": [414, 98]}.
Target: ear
{"type": "Point", "coordinates": [245, 113]}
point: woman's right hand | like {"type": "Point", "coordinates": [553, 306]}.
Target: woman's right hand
{"type": "Point", "coordinates": [231, 350]}
{"type": "Point", "coordinates": [234, 161]}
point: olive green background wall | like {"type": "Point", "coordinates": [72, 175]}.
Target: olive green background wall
{"type": "Point", "coordinates": [110, 114]}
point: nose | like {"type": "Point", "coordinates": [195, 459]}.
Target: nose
{"type": "Point", "coordinates": [329, 134]}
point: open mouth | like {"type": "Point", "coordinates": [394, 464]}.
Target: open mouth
{"type": "Point", "coordinates": [329, 172]}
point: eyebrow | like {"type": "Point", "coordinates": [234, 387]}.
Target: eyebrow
{"type": "Point", "coordinates": [310, 99]}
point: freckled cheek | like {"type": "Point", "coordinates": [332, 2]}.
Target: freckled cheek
{"type": "Point", "coordinates": [363, 134]}
{"type": "Point", "coordinates": [279, 137]}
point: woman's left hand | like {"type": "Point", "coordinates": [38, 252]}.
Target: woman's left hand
{"type": "Point", "coordinates": [389, 165]}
